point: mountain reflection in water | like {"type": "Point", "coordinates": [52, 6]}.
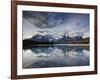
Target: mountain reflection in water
{"type": "Point", "coordinates": [55, 56]}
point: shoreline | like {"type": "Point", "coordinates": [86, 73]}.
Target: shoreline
{"type": "Point", "coordinates": [72, 44]}
{"type": "Point", "coordinates": [60, 45]}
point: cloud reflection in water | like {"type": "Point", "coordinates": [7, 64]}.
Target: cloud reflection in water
{"type": "Point", "coordinates": [55, 56]}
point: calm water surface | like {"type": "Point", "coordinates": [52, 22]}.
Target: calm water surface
{"type": "Point", "coordinates": [55, 56]}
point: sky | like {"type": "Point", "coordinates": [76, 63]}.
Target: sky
{"type": "Point", "coordinates": [55, 22]}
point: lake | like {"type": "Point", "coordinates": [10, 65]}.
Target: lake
{"type": "Point", "coordinates": [55, 56]}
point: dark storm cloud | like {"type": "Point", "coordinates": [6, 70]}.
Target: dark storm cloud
{"type": "Point", "coordinates": [45, 19]}
{"type": "Point", "coordinates": [54, 19]}
{"type": "Point", "coordinates": [39, 20]}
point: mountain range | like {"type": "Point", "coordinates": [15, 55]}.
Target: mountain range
{"type": "Point", "coordinates": [49, 38]}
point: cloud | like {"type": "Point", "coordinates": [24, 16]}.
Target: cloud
{"type": "Point", "coordinates": [55, 22]}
